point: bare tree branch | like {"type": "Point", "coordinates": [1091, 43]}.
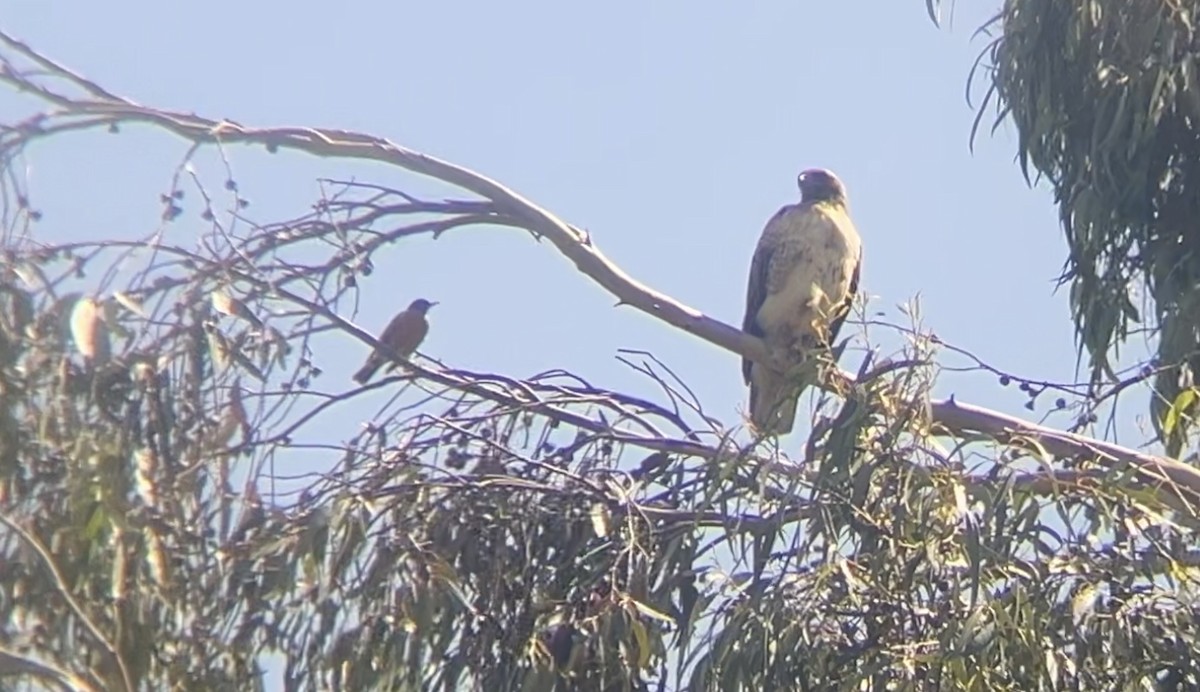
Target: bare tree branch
{"type": "Point", "coordinates": [14, 664]}
{"type": "Point", "coordinates": [65, 591]}
{"type": "Point", "coordinates": [576, 245]}
{"type": "Point", "coordinates": [1165, 474]}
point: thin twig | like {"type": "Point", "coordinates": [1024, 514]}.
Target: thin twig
{"type": "Point", "coordinates": [61, 583]}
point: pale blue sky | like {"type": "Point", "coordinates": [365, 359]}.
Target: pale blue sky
{"type": "Point", "coordinates": [670, 130]}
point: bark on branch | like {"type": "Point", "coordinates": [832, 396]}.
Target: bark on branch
{"type": "Point", "coordinates": [102, 109]}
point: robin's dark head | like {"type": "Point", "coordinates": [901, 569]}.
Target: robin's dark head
{"type": "Point", "coordinates": [820, 185]}
{"type": "Point", "coordinates": [421, 306]}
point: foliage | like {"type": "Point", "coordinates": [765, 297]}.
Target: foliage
{"type": "Point", "coordinates": [1105, 99]}
{"type": "Point", "coordinates": [483, 531]}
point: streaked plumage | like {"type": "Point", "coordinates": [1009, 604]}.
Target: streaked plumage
{"type": "Point", "coordinates": [802, 282]}
{"type": "Point", "coordinates": [403, 335]}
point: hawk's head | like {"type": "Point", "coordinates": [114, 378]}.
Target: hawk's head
{"type": "Point", "coordinates": [820, 185]}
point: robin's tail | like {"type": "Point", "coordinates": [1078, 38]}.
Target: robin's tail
{"type": "Point", "coordinates": [773, 400]}
{"type": "Point", "coordinates": [368, 369]}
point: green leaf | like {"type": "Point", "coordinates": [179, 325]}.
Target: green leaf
{"type": "Point", "coordinates": [1178, 410]}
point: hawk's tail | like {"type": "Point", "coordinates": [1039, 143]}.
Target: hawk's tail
{"type": "Point", "coordinates": [773, 400]}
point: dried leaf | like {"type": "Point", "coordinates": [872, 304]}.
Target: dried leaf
{"type": "Point", "coordinates": [156, 559]}
{"type": "Point", "coordinates": [643, 642]}
{"type": "Point", "coordinates": [651, 612]}
{"type": "Point", "coordinates": [145, 475]}
{"type": "Point", "coordinates": [227, 426]}
{"type": "Point", "coordinates": [218, 348]}
{"type": "Point", "coordinates": [1084, 602]}
{"type": "Point", "coordinates": [237, 409]}
{"type": "Point", "coordinates": [88, 330]}
{"type": "Point", "coordinates": [243, 360]}
{"type": "Point", "coordinates": [601, 519]}
{"type": "Point", "coordinates": [226, 304]}
{"type": "Point", "coordinates": [120, 567]}
{"type": "Point", "coordinates": [131, 304]}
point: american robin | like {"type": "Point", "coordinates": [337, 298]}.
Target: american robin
{"type": "Point", "coordinates": [403, 335]}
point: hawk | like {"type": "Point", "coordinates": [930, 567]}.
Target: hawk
{"type": "Point", "coordinates": [802, 282]}
{"type": "Point", "coordinates": [403, 335]}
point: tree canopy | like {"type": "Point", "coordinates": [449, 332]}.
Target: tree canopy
{"type": "Point", "coordinates": [494, 531]}
{"type": "Point", "coordinates": [1105, 100]}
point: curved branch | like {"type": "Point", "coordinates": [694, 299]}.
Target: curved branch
{"type": "Point", "coordinates": [15, 664]}
{"type": "Point", "coordinates": [61, 583]}
{"type": "Point", "coordinates": [573, 243]}
{"type": "Point", "coordinates": [1166, 474]}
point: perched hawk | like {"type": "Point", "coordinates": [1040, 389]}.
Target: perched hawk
{"type": "Point", "coordinates": [802, 282]}
{"type": "Point", "coordinates": [403, 335]}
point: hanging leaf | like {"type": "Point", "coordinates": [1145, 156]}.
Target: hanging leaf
{"type": "Point", "coordinates": [131, 304]}
{"type": "Point", "coordinates": [218, 348]}
{"type": "Point", "coordinates": [1177, 411]}
{"type": "Point", "coordinates": [88, 330]}
{"type": "Point", "coordinates": [226, 304]}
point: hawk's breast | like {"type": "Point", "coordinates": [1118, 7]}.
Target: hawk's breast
{"type": "Point", "coordinates": [811, 266]}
